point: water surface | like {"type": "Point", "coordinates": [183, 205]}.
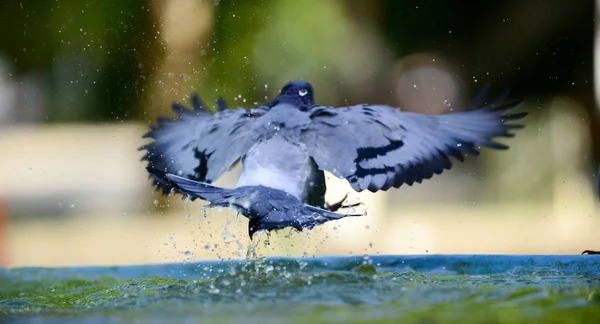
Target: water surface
{"type": "Point", "coordinates": [378, 289]}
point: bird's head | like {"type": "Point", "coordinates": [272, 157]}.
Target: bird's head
{"type": "Point", "coordinates": [297, 93]}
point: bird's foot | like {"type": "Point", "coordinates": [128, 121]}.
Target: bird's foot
{"type": "Point", "coordinates": [590, 252]}
{"type": "Point", "coordinates": [340, 204]}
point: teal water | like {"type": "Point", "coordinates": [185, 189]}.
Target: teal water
{"type": "Point", "coordinates": [378, 289]}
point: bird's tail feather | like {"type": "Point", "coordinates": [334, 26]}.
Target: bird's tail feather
{"type": "Point", "coordinates": [195, 189]}
{"type": "Point", "coordinates": [191, 188]}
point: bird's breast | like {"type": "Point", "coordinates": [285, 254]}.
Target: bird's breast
{"type": "Point", "coordinates": [278, 164]}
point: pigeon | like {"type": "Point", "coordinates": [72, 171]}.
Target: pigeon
{"type": "Point", "coordinates": [288, 143]}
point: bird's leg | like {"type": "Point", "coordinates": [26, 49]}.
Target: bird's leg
{"type": "Point", "coordinates": [590, 252]}
{"type": "Point", "coordinates": [340, 204]}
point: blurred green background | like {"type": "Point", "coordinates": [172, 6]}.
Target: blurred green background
{"type": "Point", "coordinates": [80, 81]}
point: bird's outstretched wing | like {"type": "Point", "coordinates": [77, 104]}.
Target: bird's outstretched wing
{"type": "Point", "coordinates": [198, 144]}
{"type": "Point", "coordinates": [379, 147]}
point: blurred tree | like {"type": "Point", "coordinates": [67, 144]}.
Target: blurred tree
{"type": "Point", "coordinates": [91, 54]}
{"type": "Point", "coordinates": [540, 48]}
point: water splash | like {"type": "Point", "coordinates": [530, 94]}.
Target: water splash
{"type": "Point", "coordinates": [255, 260]}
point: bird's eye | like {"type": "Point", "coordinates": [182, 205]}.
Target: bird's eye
{"type": "Point", "coordinates": [302, 92]}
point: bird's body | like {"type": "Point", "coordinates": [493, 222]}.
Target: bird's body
{"type": "Point", "coordinates": [282, 164]}
{"type": "Point", "coordinates": [287, 144]}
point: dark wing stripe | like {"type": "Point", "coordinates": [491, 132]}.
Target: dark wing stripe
{"type": "Point", "coordinates": [202, 169]}
{"type": "Point", "coordinates": [366, 153]}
